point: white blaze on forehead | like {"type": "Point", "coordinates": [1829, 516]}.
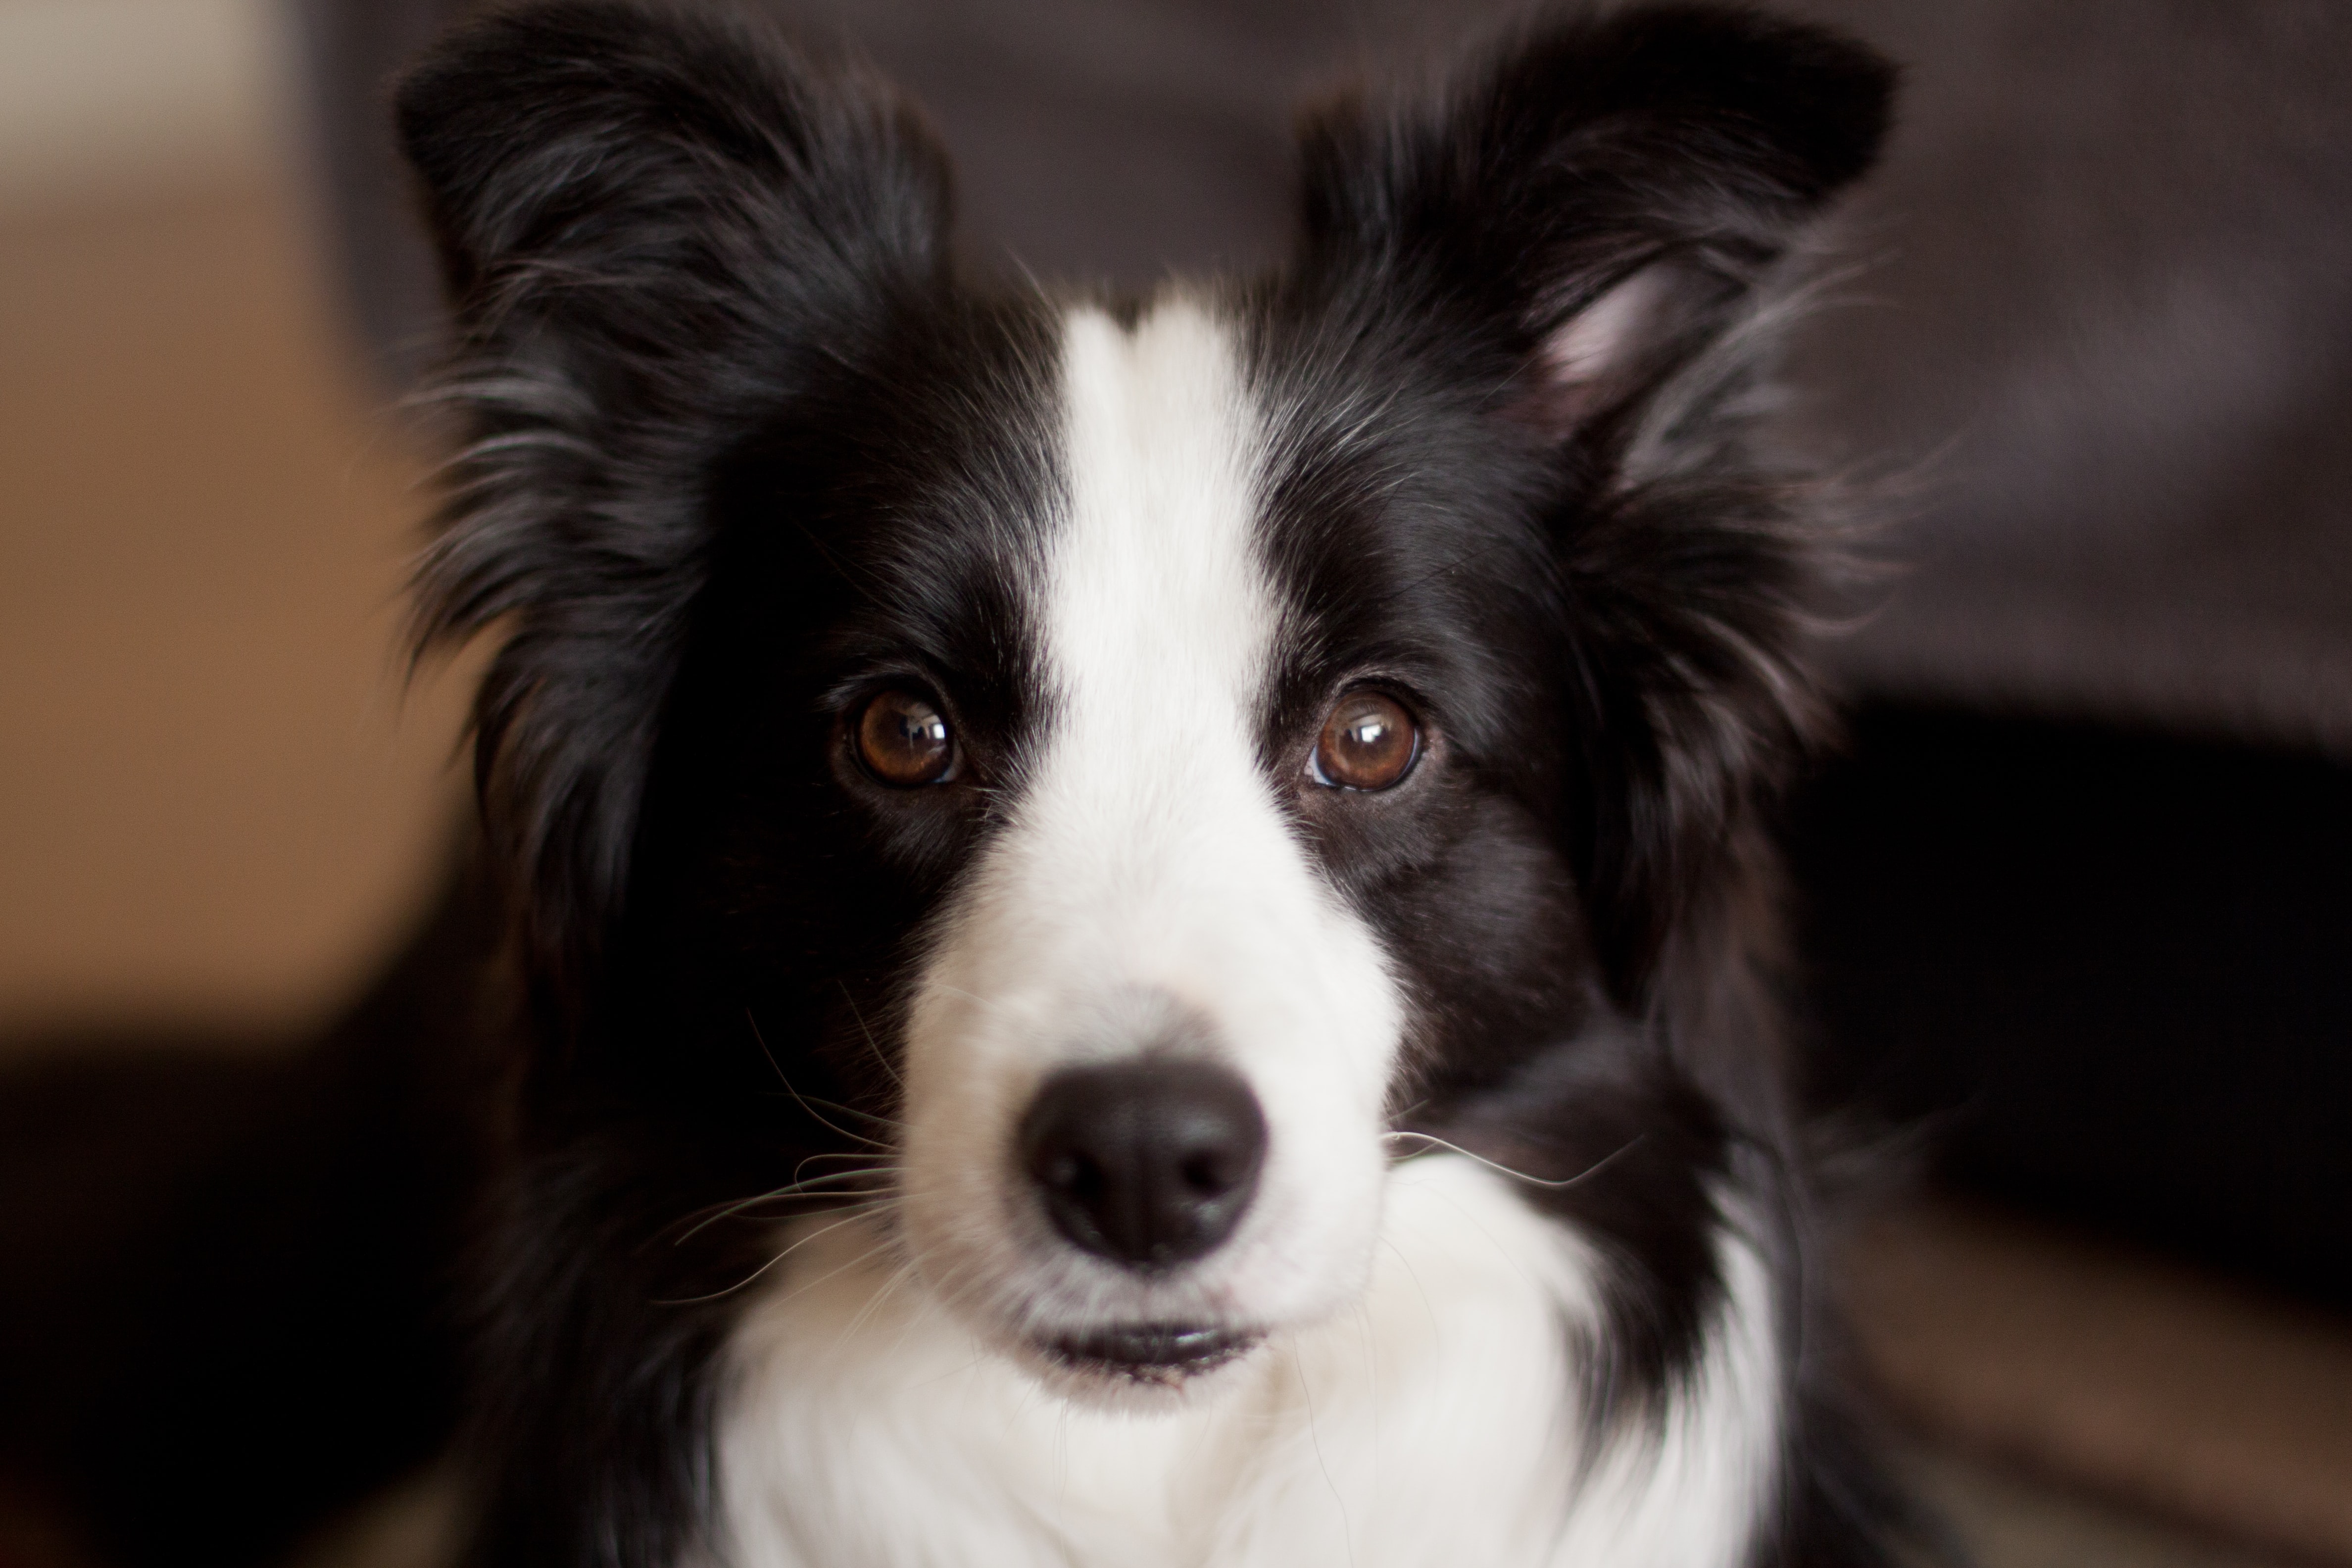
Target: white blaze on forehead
{"type": "Point", "coordinates": [1157, 595]}
{"type": "Point", "coordinates": [1158, 628]}
{"type": "Point", "coordinates": [1156, 584]}
{"type": "Point", "coordinates": [1148, 861]}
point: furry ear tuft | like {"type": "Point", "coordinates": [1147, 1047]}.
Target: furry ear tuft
{"type": "Point", "coordinates": [1588, 224]}
{"type": "Point", "coordinates": [657, 227]}
{"type": "Point", "coordinates": [1660, 157]}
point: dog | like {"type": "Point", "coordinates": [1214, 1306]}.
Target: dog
{"type": "Point", "coordinates": [1143, 926]}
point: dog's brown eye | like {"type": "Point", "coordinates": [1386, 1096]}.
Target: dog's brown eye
{"type": "Point", "coordinates": [1368, 741]}
{"type": "Point", "coordinates": [904, 741]}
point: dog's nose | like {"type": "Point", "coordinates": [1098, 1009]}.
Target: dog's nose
{"type": "Point", "coordinates": [1148, 1163]}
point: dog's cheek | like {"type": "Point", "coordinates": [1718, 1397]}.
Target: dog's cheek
{"type": "Point", "coordinates": [1319, 1043]}
{"type": "Point", "coordinates": [1308, 1247]}
{"type": "Point", "coordinates": [966, 1080]}
{"type": "Point", "coordinates": [1489, 946]}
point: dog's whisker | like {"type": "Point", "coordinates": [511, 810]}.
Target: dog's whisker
{"type": "Point", "coordinates": [853, 1217]}
{"type": "Point", "coordinates": [873, 1168]}
{"type": "Point", "coordinates": [974, 997]}
{"type": "Point", "coordinates": [809, 1188]}
{"type": "Point", "coordinates": [1587, 1173]}
{"type": "Point", "coordinates": [871, 1042]}
{"type": "Point", "coordinates": [873, 1305]}
{"type": "Point", "coordinates": [872, 1252]}
{"type": "Point", "coordinates": [875, 1117]}
{"type": "Point", "coordinates": [803, 1101]}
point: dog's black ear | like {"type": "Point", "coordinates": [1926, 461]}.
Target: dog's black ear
{"type": "Point", "coordinates": [656, 224]}
{"type": "Point", "coordinates": [1588, 228]}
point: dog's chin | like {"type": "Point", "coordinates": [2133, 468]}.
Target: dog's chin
{"type": "Point", "coordinates": [1139, 1365]}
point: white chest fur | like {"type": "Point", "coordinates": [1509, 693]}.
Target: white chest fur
{"type": "Point", "coordinates": [1435, 1424]}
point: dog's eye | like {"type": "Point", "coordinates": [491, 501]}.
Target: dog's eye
{"type": "Point", "coordinates": [1368, 741]}
{"type": "Point", "coordinates": [904, 741]}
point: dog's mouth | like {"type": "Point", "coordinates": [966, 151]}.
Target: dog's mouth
{"type": "Point", "coordinates": [1159, 1354]}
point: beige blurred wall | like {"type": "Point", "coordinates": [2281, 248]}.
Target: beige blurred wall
{"type": "Point", "coordinates": [120, 97]}
{"type": "Point", "coordinates": [218, 799]}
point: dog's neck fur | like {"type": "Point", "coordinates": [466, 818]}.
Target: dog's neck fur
{"type": "Point", "coordinates": [864, 1427]}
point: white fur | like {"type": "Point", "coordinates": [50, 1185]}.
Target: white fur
{"type": "Point", "coordinates": [1436, 1424]}
{"type": "Point", "coordinates": [1693, 1495]}
{"type": "Point", "coordinates": [1147, 874]}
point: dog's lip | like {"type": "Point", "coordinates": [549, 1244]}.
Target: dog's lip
{"type": "Point", "coordinates": [1152, 1353]}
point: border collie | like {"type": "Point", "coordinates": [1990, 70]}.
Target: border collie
{"type": "Point", "coordinates": [1145, 928]}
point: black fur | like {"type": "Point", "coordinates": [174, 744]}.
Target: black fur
{"type": "Point", "coordinates": [1686, 139]}
{"type": "Point", "coordinates": [742, 445]}
{"type": "Point", "coordinates": [657, 233]}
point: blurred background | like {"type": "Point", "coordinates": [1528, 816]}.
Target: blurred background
{"type": "Point", "coordinates": [2076, 896]}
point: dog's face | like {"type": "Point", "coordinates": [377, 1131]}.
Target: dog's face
{"type": "Point", "coordinates": [1132, 758]}
{"type": "Point", "coordinates": [1147, 1042]}
{"type": "Point", "coordinates": [1117, 762]}
{"type": "Point", "coordinates": [1172, 743]}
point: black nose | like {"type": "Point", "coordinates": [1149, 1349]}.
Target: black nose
{"type": "Point", "coordinates": [1150, 1164]}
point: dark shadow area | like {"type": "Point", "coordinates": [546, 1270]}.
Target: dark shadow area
{"type": "Point", "coordinates": [223, 1251]}
{"type": "Point", "coordinates": [2110, 970]}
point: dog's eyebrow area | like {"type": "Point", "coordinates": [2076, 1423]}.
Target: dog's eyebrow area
{"type": "Point", "coordinates": [1148, 1055]}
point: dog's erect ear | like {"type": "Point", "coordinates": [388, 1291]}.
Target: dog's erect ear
{"type": "Point", "coordinates": [657, 226]}
{"type": "Point", "coordinates": [1600, 192]}
{"type": "Point", "coordinates": [1586, 225]}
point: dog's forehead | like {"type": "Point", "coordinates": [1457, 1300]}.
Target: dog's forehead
{"type": "Point", "coordinates": [1200, 479]}
{"type": "Point", "coordinates": [1073, 485]}
{"type": "Point", "coordinates": [1155, 569]}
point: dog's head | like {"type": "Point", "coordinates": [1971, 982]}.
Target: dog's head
{"type": "Point", "coordinates": [1116, 757]}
